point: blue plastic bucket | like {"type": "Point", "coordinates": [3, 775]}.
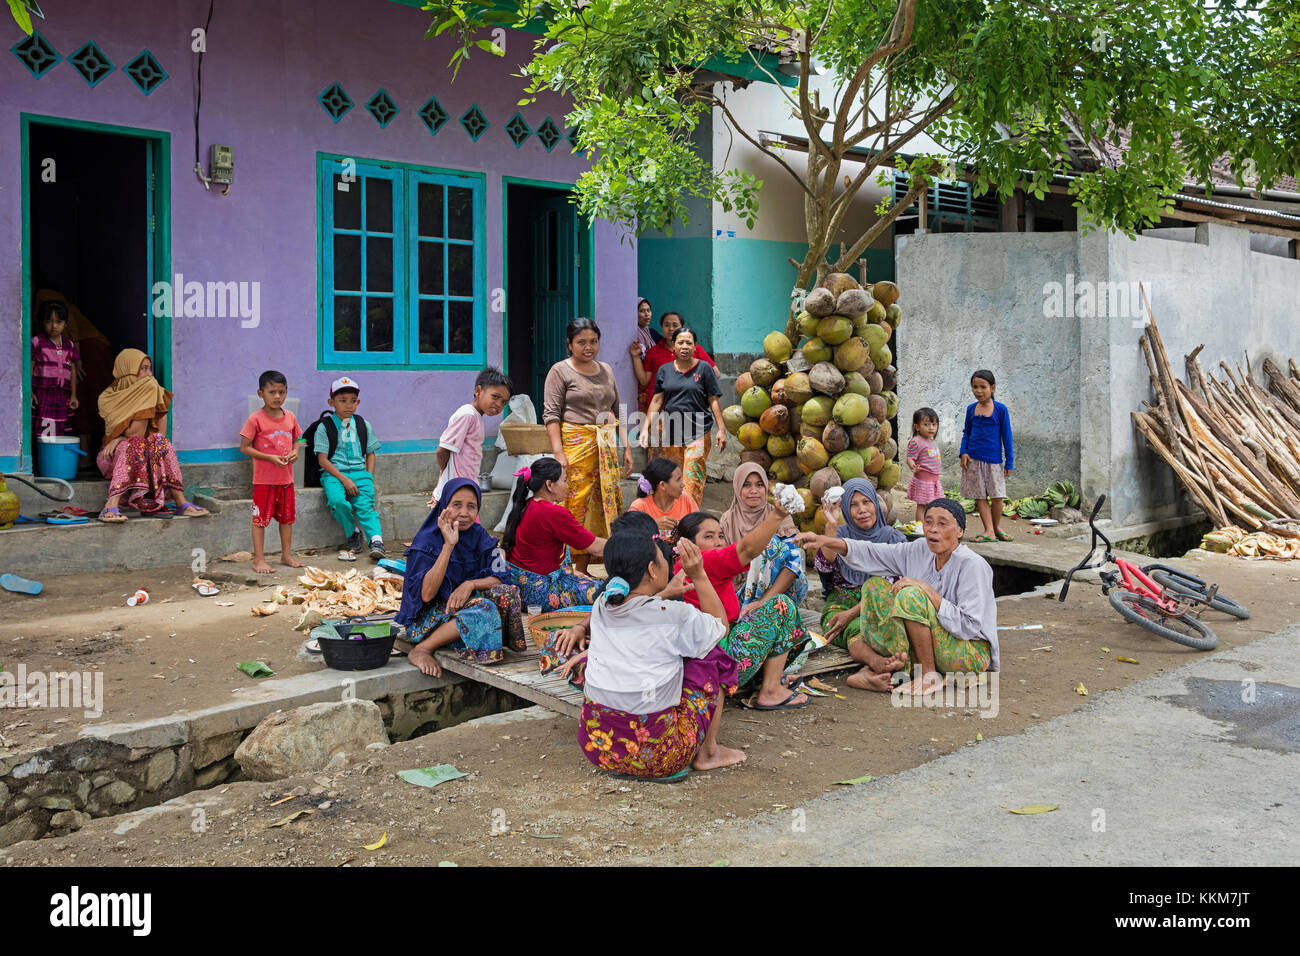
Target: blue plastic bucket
{"type": "Point", "coordinates": [56, 456]}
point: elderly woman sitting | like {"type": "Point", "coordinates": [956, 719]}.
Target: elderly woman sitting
{"type": "Point", "coordinates": [939, 615]}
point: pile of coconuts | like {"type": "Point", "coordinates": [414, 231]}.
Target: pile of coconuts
{"type": "Point", "coordinates": [816, 412]}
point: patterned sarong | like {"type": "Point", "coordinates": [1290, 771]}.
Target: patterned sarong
{"type": "Point", "coordinates": [479, 625]}
{"type": "Point", "coordinates": [592, 451]}
{"type": "Point", "coordinates": [882, 628]}
{"type": "Point", "coordinates": [143, 471]}
{"type": "Point", "coordinates": [693, 460]}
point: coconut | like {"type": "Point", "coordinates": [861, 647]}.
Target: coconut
{"type": "Point", "coordinates": [881, 357]}
{"type": "Point", "coordinates": [796, 419]}
{"type": "Point", "coordinates": [804, 522]}
{"type": "Point", "coordinates": [812, 455]}
{"type": "Point", "coordinates": [760, 458]}
{"type": "Point", "coordinates": [886, 432]}
{"type": "Point", "coordinates": [891, 403]}
{"type": "Point", "coordinates": [860, 324]}
{"type": "Point", "coordinates": [819, 520]}
{"type": "Point", "coordinates": [834, 438]}
{"type": "Point", "coordinates": [840, 282]}
{"type": "Point", "coordinates": [872, 460]}
{"type": "Point", "coordinates": [809, 431]}
{"type": "Point", "coordinates": [785, 470]}
{"type": "Point", "coordinates": [865, 433]}
{"type": "Point", "coordinates": [733, 416]}
{"type": "Point", "coordinates": [800, 482]}
{"type": "Point", "coordinates": [808, 323]}
{"type": "Point", "coordinates": [885, 292]}
{"type": "Point", "coordinates": [888, 476]}
{"type": "Point", "coordinates": [822, 480]}
{"type": "Point", "coordinates": [890, 513]}
{"type": "Point", "coordinates": [807, 498]}
{"type": "Point", "coordinates": [850, 409]}
{"type": "Point", "coordinates": [798, 389]}
{"type": "Point", "coordinates": [894, 315]}
{"type": "Point", "coordinates": [752, 436]}
{"type": "Point", "coordinates": [877, 312]}
{"type": "Point", "coordinates": [744, 382]}
{"type": "Point", "coordinates": [853, 303]}
{"type": "Point", "coordinates": [834, 329]}
{"type": "Point", "coordinates": [889, 329]}
{"type": "Point", "coordinates": [819, 302]}
{"type": "Point", "coordinates": [877, 408]}
{"type": "Point", "coordinates": [852, 355]}
{"type": "Point", "coordinates": [764, 372]}
{"type": "Point", "coordinates": [855, 382]}
{"type": "Point", "coordinates": [777, 347]}
{"type": "Point", "coordinates": [755, 401]}
{"type": "Point", "coordinates": [876, 382]}
{"type": "Point", "coordinates": [875, 336]}
{"type": "Point", "coordinates": [888, 376]}
{"type": "Point", "coordinates": [816, 412]}
{"type": "Point", "coordinates": [775, 421]}
{"type": "Point", "coordinates": [815, 350]}
{"type": "Point", "coordinates": [826, 379]}
{"type": "Point", "coordinates": [889, 449]}
{"type": "Point", "coordinates": [777, 392]}
{"type": "Point", "coordinates": [847, 464]}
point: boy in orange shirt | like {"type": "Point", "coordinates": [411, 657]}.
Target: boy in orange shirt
{"type": "Point", "coordinates": [268, 438]}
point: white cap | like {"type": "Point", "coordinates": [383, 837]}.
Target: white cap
{"type": "Point", "coordinates": [342, 383]}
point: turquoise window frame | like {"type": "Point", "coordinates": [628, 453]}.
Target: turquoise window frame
{"type": "Point", "coordinates": [405, 354]}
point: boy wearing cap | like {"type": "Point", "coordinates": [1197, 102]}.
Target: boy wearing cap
{"type": "Point", "coordinates": [347, 475]}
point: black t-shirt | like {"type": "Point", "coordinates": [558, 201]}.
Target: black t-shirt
{"type": "Point", "coordinates": [685, 413]}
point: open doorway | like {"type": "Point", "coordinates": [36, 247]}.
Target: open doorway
{"type": "Point", "coordinates": [94, 238]}
{"type": "Point", "coordinates": [548, 272]}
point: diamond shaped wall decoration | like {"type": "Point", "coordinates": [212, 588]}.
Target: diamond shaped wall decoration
{"type": "Point", "coordinates": [549, 134]}
{"type": "Point", "coordinates": [475, 123]}
{"type": "Point", "coordinates": [335, 101]}
{"type": "Point", "coordinates": [382, 108]}
{"type": "Point", "coordinates": [36, 54]}
{"type": "Point", "coordinates": [146, 71]}
{"type": "Point", "coordinates": [573, 138]}
{"type": "Point", "coordinates": [518, 130]}
{"type": "Point", "coordinates": [432, 115]}
{"type": "Point", "coordinates": [91, 63]}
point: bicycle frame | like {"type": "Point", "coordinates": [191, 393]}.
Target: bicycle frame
{"type": "Point", "coordinates": [1143, 586]}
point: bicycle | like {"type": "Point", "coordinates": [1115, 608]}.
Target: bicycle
{"type": "Point", "coordinates": [1161, 599]}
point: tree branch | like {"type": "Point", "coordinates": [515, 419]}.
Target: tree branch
{"type": "Point", "coordinates": [735, 125]}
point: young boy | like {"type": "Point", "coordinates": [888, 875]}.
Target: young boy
{"type": "Point", "coordinates": [348, 475]}
{"type": "Point", "coordinates": [268, 438]}
{"type": "Point", "coordinates": [460, 449]}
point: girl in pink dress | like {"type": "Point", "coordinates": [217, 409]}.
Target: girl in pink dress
{"type": "Point", "coordinates": [923, 459]}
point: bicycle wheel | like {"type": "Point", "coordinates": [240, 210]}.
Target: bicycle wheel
{"type": "Point", "coordinates": [1185, 583]}
{"type": "Point", "coordinates": [1181, 630]}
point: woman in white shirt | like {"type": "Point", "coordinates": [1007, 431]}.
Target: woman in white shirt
{"type": "Point", "coordinates": [655, 675]}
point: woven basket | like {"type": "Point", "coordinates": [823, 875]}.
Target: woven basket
{"type": "Point", "coordinates": [526, 439]}
{"type": "Point", "coordinates": [542, 625]}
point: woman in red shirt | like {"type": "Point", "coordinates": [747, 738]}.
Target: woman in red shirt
{"type": "Point", "coordinates": [761, 640]}
{"type": "Point", "coordinates": [537, 531]}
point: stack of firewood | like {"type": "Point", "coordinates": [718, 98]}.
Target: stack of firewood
{"type": "Point", "coordinates": [1234, 445]}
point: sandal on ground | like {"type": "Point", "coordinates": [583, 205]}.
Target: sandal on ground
{"type": "Point", "coordinates": [1003, 536]}
{"type": "Point", "coordinates": [784, 705]}
{"type": "Point", "coordinates": [17, 585]}
{"type": "Point", "coordinates": [981, 537]}
{"type": "Point", "coordinates": [112, 516]}
{"type": "Point", "coordinates": [677, 777]}
{"type": "Point", "coordinates": [190, 509]}
{"type": "Point", "coordinates": [206, 588]}
{"type": "Point", "coordinates": [346, 554]}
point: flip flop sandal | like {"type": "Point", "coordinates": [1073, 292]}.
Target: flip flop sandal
{"type": "Point", "coordinates": [393, 564]}
{"type": "Point", "coordinates": [1003, 536]}
{"type": "Point", "coordinates": [112, 516]}
{"type": "Point", "coordinates": [784, 705]}
{"type": "Point", "coordinates": [183, 511]}
{"type": "Point", "coordinates": [678, 777]}
{"type": "Point", "coordinates": [57, 518]}
{"type": "Point", "coordinates": [23, 519]}
{"type": "Point", "coordinates": [73, 510]}
{"type": "Point", "coordinates": [17, 585]}
{"type": "Point", "coordinates": [346, 555]}
{"type": "Point", "coordinates": [206, 588]}
{"type": "Point", "coordinates": [982, 537]}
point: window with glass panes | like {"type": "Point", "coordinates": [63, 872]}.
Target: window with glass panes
{"type": "Point", "coordinates": [401, 264]}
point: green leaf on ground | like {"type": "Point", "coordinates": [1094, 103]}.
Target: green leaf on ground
{"type": "Point", "coordinates": [255, 669]}
{"type": "Point", "coordinates": [430, 776]}
{"type": "Point", "coordinates": [1033, 808]}
{"type": "Point", "coordinates": [855, 781]}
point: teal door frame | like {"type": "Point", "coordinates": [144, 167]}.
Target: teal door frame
{"type": "Point", "coordinates": [159, 258]}
{"type": "Point", "coordinates": [586, 251]}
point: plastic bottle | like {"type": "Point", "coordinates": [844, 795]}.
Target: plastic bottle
{"type": "Point", "coordinates": [138, 598]}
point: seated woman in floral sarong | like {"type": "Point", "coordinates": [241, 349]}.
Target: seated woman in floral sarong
{"type": "Point", "coordinates": [655, 675]}
{"type": "Point", "coordinates": [939, 615]}
{"type": "Point", "coordinates": [537, 531]}
{"type": "Point", "coordinates": [450, 559]}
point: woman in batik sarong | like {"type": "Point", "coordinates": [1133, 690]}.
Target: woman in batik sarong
{"type": "Point", "coordinates": [450, 594]}
{"type": "Point", "coordinates": [581, 413]}
{"type": "Point", "coordinates": [655, 675]}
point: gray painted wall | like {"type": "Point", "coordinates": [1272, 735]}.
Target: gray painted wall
{"type": "Point", "coordinates": [1070, 383]}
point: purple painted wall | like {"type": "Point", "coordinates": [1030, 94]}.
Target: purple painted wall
{"type": "Point", "coordinates": [266, 63]}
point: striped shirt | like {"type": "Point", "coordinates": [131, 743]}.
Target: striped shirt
{"type": "Point", "coordinates": [925, 453]}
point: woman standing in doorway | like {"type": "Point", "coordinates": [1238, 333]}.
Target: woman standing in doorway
{"type": "Point", "coordinates": [580, 412]}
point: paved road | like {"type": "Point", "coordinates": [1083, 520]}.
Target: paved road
{"type": "Point", "coordinates": [1175, 770]}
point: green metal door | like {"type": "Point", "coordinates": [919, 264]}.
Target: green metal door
{"type": "Point", "coordinates": [555, 284]}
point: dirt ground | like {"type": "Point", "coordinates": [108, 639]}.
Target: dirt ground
{"type": "Point", "coordinates": [530, 796]}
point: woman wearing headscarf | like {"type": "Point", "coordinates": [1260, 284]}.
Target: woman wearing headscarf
{"type": "Point", "coordinates": [450, 560]}
{"type": "Point", "coordinates": [780, 568]}
{"type": "Point", "coordinates": [137, 459]}
{"type": "Point", "coordinates": [938, 617]}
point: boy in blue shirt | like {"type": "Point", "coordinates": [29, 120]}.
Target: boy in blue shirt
{"type": "Point", "coordinates": [347, 476]}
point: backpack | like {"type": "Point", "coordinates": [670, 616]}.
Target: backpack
{"type": "Point", "coordinates": [311, 469]}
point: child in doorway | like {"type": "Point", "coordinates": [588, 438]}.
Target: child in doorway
{"type": "Point", "coordinates": [55, 362]}
{"type": "Point", "coordinates": [268, 438]}
{"type": "Point", "coordinates": [460, 449]}
{"type": "Point", "coordinates": [923, 460]}
{"type": "Point", "coordinates": [985, 438]}
{"type": "Point", "coordinates": [347, 474]}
